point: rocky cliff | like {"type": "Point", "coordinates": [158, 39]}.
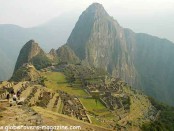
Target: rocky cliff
{"type": "Point", "coordinates": [32, 53]}
{"type": "Point", "coordinates": [66, 54]}
{"type": "Point", "coordinates": [100, 41]}
{"type": "Point", "coordinates": [144, 61]}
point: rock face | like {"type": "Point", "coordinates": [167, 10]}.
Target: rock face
{"type": "Point", "coordinates": [66, 54]}
{"type": "Point", "coordinates": [32, 53]}
{"type": "Point", "coordinates": [52, 55]}
{"type": "Point", "coordinates": [100, 41]}
{"type": "Point", "coordinates": [144, 61]}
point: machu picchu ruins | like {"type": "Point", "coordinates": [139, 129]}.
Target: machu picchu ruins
{"type": "Point", "coordinates": [116, 97]}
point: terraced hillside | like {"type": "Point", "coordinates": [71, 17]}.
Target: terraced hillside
{"type": "Point", "coordinates": [46, 103]}
{"type": "Point", "coordinates": [109, 102]}
{"type": "Point", "coordinates": [82, 94]}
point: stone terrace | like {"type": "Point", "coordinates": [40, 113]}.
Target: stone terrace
{"type": "Point", "coordinates": [73, 107]}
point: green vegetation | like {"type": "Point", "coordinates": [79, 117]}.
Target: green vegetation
{"type": "Point", "coordinates": [80, 74]}
{"type": "Point", "coordinates": [93, 105]}
{"type": "Point", "coordinates": [72, 81]}
{"type": "Point", "coordinates": [60, 108]}
{"type": "Point", "coordinates": [164, 121]}
{"type": "Point", "coordinates": [41, 80]}
{"type": "Point", "coordinates": [19, 74]}
{"type": "Point", "coordinates": [97, 110]}
{"type": "Point", "coordinates": [40, 61]}
{"type": "Point", "coordinates": [57, 81]}
{"type": "Point", "coordinates": [26, 73]}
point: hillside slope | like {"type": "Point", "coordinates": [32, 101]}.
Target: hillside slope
{"type": "Point", "coordinates": [153, 58]}
{"type": "Point", "coordinates": [74, 93]}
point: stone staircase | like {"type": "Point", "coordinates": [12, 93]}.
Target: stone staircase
{"type": "Point", "coordinates": [31, 95]}
{"type": "Point", "coordinates": [53, 102]}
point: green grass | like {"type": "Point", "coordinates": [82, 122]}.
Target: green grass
{"type": "Point", "coordinates": [60, 108]}
{"type": "Point", "coordinates": [97, 110]}
{"type": "Point", "coordinates": [95, 121]}
{"type": "Point", "coordinates": [94, 81]}
{"type": "Point", "coordinates": [91, 105]}
{"type": "Point", "coordinates": [165, 119]}
{"type": "Point", "coordinates": [57, 81]}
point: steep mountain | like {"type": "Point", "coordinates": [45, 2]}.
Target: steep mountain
{"type": "Point", "coordinates": [144, 61]}
{"type": "Point", "coordinates": [32, 53]}
{"type": "Point", "coordinates": [100, 41]}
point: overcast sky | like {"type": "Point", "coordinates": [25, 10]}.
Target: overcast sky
{"type": "Point", "coordinates": [155, 17]}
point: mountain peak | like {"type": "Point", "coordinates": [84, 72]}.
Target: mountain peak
{"type": "Point", "coordinates": [99, 40]}
{"type": "Point", "coordinates": [96, 8]}
{"type": "Point", "coordinates": [31, 42]}
{"type": "Point", "coordinates": [91, 20]}
{"type": "Point", "coordinates": [28, 51]}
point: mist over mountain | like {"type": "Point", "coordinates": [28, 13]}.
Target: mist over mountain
{"type": "Point", "coordinates": [153, 60]}
{"type": "Point", "coordinates": [5, 70]}
{"type": "Point", "coordinates": [51, 35]}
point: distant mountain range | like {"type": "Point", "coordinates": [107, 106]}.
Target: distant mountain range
{"type": "Point", "coordinates": [51, 35]}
